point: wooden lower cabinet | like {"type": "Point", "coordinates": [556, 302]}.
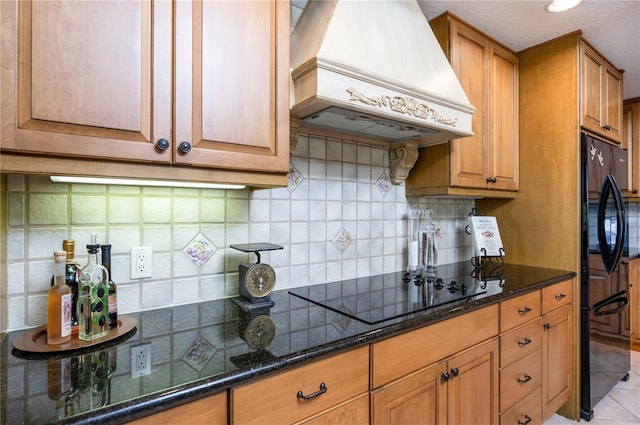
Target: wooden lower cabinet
{"type": "Point", "coordinates": [526, 411]}
{"type": "Point", "coordinates": [634, 303]}
{"type": "Point", "coordinates": [556, 359]}
{"type": "Point", "coordinates": [462, 389]}
{"type": "Point", "coordinates": [329, 383]}
{"type": "Point", "coordinates": [352, 412]}
{"type": "Point", "coordinates": [210, 410]}
{"type": "Point", "coordinates": [417, 398]}
{"type": "Point", "coordinates": [473, 387]}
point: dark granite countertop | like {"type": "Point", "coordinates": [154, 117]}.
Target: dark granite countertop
{"type": "Point", "coordinates": [201, 349]}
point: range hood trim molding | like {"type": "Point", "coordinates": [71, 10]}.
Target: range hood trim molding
{"type": "Point", "coordinates": [320, 88]}
{"type": "Point", "coordinates": [330, 65]}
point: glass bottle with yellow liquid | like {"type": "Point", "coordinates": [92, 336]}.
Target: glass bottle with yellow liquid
{"type": "Point", "coordinates": [59, 304]}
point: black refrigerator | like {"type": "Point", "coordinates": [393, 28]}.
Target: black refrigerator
{"type": "Point", "coordinates": [604, 297]}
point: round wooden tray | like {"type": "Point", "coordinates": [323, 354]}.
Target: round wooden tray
{"type": "Point", "coordinates": [35, 340]}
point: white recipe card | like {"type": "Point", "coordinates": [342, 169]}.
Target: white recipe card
{"type": "Point", "coordinates": [486, 235]}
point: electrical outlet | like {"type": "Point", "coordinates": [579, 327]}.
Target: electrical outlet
{"type": "Point", "coordinates": [141, 262]}
{"type": "Point", "coordinates": [140, 360]}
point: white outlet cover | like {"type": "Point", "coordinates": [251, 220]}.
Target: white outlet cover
{"type": "Point", "coordinates": [140, 360]}
{"type": "Point", "coordinates": [141, 262]}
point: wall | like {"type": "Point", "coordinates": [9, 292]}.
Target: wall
{"type": "Point", "coordinates": [339, 218]}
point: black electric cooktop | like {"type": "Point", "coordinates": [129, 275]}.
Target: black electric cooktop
{"type": "Point", "coordinates": [375, 299]}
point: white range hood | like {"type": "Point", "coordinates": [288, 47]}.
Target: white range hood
{"type": "Point", "coordinates": [375, 69]}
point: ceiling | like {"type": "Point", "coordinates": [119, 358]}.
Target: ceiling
{"type": "Point", "coordinates": [611, 26]}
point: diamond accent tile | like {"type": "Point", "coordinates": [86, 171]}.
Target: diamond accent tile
{"type": "Point", "coordinates": [295, 178]}
{"type": "Point", "coordinates": [342, 240]}
{"type": "Point", "coordinates": [383, 184]}
{"type": "Point", "coordinates": [341, 322]}
{"type": "Point", "coordinates": [200, 250]}
{"type": "Point", "coordinates": [199, 354]}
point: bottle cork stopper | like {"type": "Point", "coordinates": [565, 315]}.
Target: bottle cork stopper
{"type": "Point", "coordinates": [60, 256]}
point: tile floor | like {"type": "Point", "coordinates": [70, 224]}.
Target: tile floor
{"type": "Point", "coordinates": [620, 407]}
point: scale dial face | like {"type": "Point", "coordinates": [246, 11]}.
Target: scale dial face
{"type": "Point", "coordinates": [260, 332]}
{"type": "Point", "coordinates": [259, 280]}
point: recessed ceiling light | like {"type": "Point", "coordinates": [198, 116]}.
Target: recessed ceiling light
{"type": "Point", "coordinates": [557, 6]}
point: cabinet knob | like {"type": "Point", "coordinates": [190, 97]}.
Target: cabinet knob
{"type": "Point", "coordinates": [524, 310]}
{"type": "Point", "coordinates": [526, 341]}
{"type": "Point", "coordinates": [162, 145]}
{"type": "Point", "coordinates": [454, 371]}
{"type": "Point", "coordinates": [546, 326]}
{"type": "Point", "coordinates": [445, 376]}
{"type": "Point", "coordinates": [184, 147]}
{"type": "Point", "coordinates": [526, 421]}
{"type": "Point", "coordinates": [560, 296]}
{"type": "Point", "coordinates": [607, 127]}
{"type": "Point", "coordinates": [526, 378]}
{"type": "Point", "coordinates": [491, 180]}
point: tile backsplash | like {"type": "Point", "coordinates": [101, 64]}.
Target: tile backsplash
{"type": "Point", "coordinates": [339, 218]}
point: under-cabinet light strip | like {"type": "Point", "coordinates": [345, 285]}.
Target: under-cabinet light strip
{"type": "Point", "coordinates": [137, 182]}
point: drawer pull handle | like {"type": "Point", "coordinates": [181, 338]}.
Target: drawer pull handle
{"type": "Point", "coordinates": [560, 296]}
{"type": "Point", "coordinates": [323, 389]}
{"type": "Point", "coordinates": [524, 310]}
{"type": "Point", "coordinates": [527, 419]}
{"type": "Point", "coordinates": [526, 378]}
{"type": "Point", "coordinates": [526, 341]}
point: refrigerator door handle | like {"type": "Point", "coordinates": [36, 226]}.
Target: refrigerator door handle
{"type": "Point", "coordinates": [620, 300]}
{"type": "Point", "coordinates": [610, 258]}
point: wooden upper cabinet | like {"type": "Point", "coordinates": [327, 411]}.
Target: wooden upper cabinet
{"type": "Point", "coordinates": [503, 119]}
{"type": "Point", "coordinates": [476, 165]}
{"type": "Point", "coordinates": [470, 57]}
{"type": "Point", "coordinates": [108, 80]}
{"type": "Point", "coordinates": [232, 84]}
{"type": "Point", "coordinates": [631, 142]}
{"type": "Point", "coordinates": [93, 79]}
{"type": "Point", "coordinates": [601, 94]}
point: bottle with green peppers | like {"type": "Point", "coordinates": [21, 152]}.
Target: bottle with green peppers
{"type": "Point", "coordinates": [93, 297]}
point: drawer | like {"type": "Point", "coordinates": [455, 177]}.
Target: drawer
{"type": "Point", "coordinates": [275, 399]}
{"type": "Point", "coordinates": [520, 378]}
{"type": "Point", "coordinates": [353, 412]}
{"type": "Point", "coordinates": [405, 353]}
{"type": "Point", "coordinates": [527, 411]}
{"type": "Point", "coordinates": [520, 341]}
{"type": "Point", "coordinates": [557, 295]}
{"type": "Point", "coordinates": [519, 310]}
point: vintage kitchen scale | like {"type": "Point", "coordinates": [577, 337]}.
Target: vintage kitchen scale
{"type": "Point", "coordinates": [257, 280]}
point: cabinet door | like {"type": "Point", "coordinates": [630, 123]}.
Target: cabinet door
{"type": "Point", "coordinates": [470, 62]}
{"type": "Point", "coordinates": [473, 389]}
{"type": "Point", "coordinates": [591, 90]}
{"type": "Point", "coordinates": [634, 297]}
{"type": "Point", "coordinates": [631, 142]}
{"type": "Point", "coordinates": [232, 84]}
{"type": "Point", "coordinates": [612, 107]}
{"type": "Point", "coordinates": [503, 119]}
{"type": "Point", "coordinates": [93, 79]}
{"type": "Point", "coordinates": [354, 412]}
{"type": "Point", "coordinates": [420, 398]}
{"type": "Point", "coordinates": [556, 359]}
{"type": "Point", "coordinates": [601, 94]}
